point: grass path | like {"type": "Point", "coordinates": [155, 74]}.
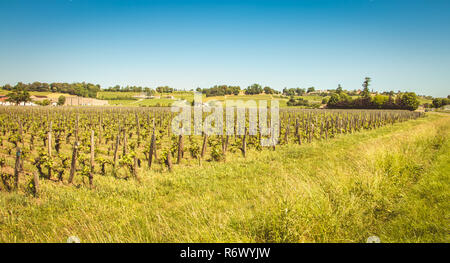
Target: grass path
{"type": "Point", "coordinates": [391, 182]}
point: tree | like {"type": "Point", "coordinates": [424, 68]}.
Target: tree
{"type": "Point", "coordinates": [334, 100]}
{"type": "Point", "coordinates": [7, 87]}
{"type": "Point", "coordinates": [437, 103]}
{"type": "Point", "coordinates": [345, 98]}
{"type": "Point", "coordinates": [236, 90]}
{"type": "Point", "coordinates": [366, 93]}
{"type": "Point", "coordinates": [289, 92]}
{"type": "Point", "coordinates": [148, 91]}
{"type": "Point", "coordinates": [410, 101]}
{"type": "Point", "coordinates": [164, 89]}
{"type": "Point", "coordinates": [220, 90]}
{"type": "Point", "coordinates": [440, 102]}
{"type": "Point", "coordinates": [339, 89]}
{"type": "Point", "coordinates": [61, 100]}
{"type": "Point", "coordinates": [311, 89]}
{"type": "Point", "coordinates": [46, 102]}
{"type": "Point", "coordinates": [380, 100]}
{"type": "Point", "coordinates": [19, 94]}
{"type": "Point", "coordinates": [291, 101]}
{"type": "Point", "coordinates": [300, 91]}
{"type": "Point", "coordinates": [254, 89]}
{"type": "Point", "coordinates": [297, 102]}
{"type": "Point", "coordinates": [269, 90]}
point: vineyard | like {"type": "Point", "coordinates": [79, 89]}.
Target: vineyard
{"type": "Point", "coordinates": [76, 145]}
{"type": "Point", "coordinates": [122, 175]}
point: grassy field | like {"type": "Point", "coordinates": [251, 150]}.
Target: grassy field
{"type": "Point", "coordinates": [111, 95]}
{"type": "Point", "coordinates": [54, 95]}
{"type": "Point", "coordinates": [422, 101]}
{"type": "Point", "coordinates": [115, 98]}
{"type": "Point", "coordinates": [257, 98]}
{"type": "Point", "coordinates": [126, 98]}
{"type": "Point", "coordinates": [392, 182]}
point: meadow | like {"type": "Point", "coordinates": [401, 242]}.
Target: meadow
{"type": "Point", "coordinates": [364, 173]}
{"type": "Point", "coordinates": [117, 99]}
{"type": "Point", "coordinates": [128, 99]}
{"type": "Point", "coordinates": [53, 95]}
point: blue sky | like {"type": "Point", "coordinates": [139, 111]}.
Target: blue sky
{"type": "Point", "coordinates": [402, 45]}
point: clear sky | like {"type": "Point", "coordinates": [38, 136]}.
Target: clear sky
{"type": "Point", "coordinates": [402, 45]}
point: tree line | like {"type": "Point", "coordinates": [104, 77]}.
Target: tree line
{"type": "Point", "coordinates": [341, 100]}
{"type": "Point", "coordinates": [81, 89]}
{"type": "Point", "coordinates": [256, 89]}
{"type": "Point", "coordinates": [222, 90]}
{"type": "Point", "coordinates": [147, 90]}
{"type": "Point", "coordinates": [439, 102]}
{"type": "Point", "coordinates": [20, 95]}
{"type": "Point", "coordinates": [301, 102]}
{"type": "Point", "coordinates": [298, 91]}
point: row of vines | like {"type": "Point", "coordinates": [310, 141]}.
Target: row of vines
{"type": "Point", "coordinates": [74, 145]}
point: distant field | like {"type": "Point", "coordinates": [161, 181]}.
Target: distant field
{"type": "Point", "coordinates": [423, 101]}
{"type": "Point", "coordinates": [143, 102]}
{"type": "Point", "coordinates": [110, 95]}
{"type": "Point", "coordinates": [39, 93]}
{"type": "Point", "coordinates": [127, 98]}
{"type": "Point", "coordinates": [124, 102]}
{"type": "Point", "coordinates": [156, 102]}
{"type": "Point", "coordinates": [257, 98]}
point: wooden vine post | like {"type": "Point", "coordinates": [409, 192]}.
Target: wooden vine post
{"type": "Point", "coordinates": [76, 128]}
{"type": "Point", "coordinates": [224, 147]}
{"type": "Point", "coordinates": [180, 145]}
{"type": "Point", "coordinates": [124, 152]}
{"type": "Point", "coordinates": [91, 174]}
{"type": "Point", "coordinates": [73, 165]}
{"type": "Point", "coordinates": [50, 149]}
{"type": "Point", "coordinates": [135, 168]}
{"type": "Point", "coordinates": [100, 130]}
{"type": "Point", "coordinates": [244, 142]}
{"type": "Point", "coordinates": [205, 138]}
{"type": "Point", "coordinates": [17, 168]}
{"type": "Point", "coordinates": [138, 126]}
{"type": "Point", "coordinates": [169, 160]}
{"type": "Point", "coordinates": [21, 134]}
{"type": "Point", "coordinates": [116, 148]}
{"type": "Point", "coordinates": [152, 147]}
